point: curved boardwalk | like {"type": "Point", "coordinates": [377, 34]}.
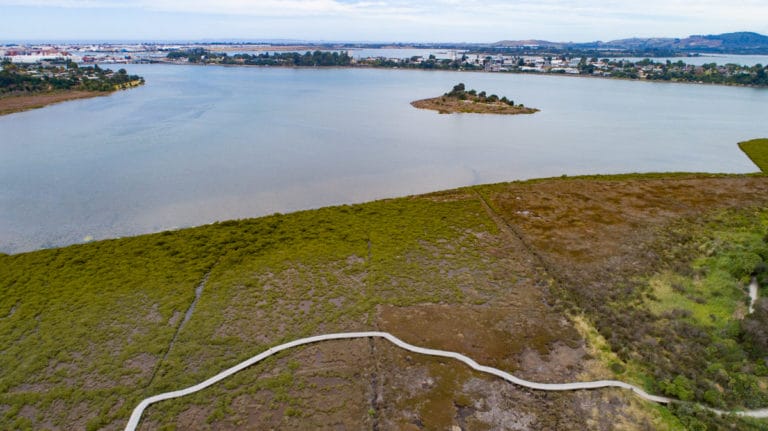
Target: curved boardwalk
{"type": "Point", "coordinates": [133, 422]}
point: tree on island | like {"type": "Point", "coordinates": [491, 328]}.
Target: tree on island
{"type": "Point", "coordinates": [461, 100]}
{"type": "Point", "coordinates": [460, 92]}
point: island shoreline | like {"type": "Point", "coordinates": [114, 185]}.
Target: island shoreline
{"type": "Point", "coordinates": [445, 105]}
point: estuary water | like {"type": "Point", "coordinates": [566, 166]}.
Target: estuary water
{"type": "Point", "coordinates": [199, 144]}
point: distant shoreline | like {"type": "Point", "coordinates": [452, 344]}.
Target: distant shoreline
{"type": "Point", "coordinates": [559, 75]}
{"type": "Point", "coordinates": [13, 103]}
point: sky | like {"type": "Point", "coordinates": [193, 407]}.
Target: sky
{"type": "Point", "coordinates": [375, 20]}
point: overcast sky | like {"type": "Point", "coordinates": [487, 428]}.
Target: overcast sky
{"type": "Point", "coordinates": [376, 20]}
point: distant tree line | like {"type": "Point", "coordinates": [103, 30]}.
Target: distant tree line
{"type": "Point", "coordinates": [312, 59]}
{"type": "Point", "coordinates": [430, 63]}
{"type": "Point", "coordinates": [729, 74]}
{"type": "Point", "coordinates": [710, 73]}
{"type": "Point", "coordinates": [38, 78]}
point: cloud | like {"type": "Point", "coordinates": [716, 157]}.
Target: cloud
{"type": "Point", "coordinates": [444, 19]}
{"type": "Point", "coordinates": [507, 9]}
{"type": "Point", "coordinates": [234, 7]}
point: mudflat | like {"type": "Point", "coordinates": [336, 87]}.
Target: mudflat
{"type": "Point", "coordinates": [18, 103]}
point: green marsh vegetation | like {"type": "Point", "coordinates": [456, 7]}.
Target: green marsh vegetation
{"type": "Point", "coordinates": [720, 355]}
{"type": "Point", "coordinates": [85, 326]}
{"type": "Point", "coordinates": [708, 348]}
{"type": "Point", "coordinates": [757, 151]}
{"type": "Point", "coordinates": [325, 271]}
{"type": "Point", "coordinates": [84, 329]}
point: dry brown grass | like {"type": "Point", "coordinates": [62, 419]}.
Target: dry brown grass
{"type": "Point", "coordinates": [451, 105]}
{"type": "Point", "coordinates": [586, 224]}
{"type": "Point", "coordinates": [11, 104]}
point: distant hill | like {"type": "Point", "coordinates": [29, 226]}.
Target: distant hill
{"type": "Point", "coordinates": [635, 43]}
{"type": "Point", "coordinates": [736, 43]}
{"type": "Point", "coordinates": [742, 40]}
{"type": "Point", "coordinates": [531, 43]}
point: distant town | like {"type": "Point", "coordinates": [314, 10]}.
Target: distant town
{"type": "Point", "coordinates": [695, 45]}
{"type": "Point", "coordinates": [627, 59]}
{"type": "Point", "coordinates": [88, 53]}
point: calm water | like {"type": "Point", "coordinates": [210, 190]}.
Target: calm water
{"type": "Point", "coordinates": [200, 144]}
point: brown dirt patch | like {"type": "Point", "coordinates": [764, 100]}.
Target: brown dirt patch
{"type": "Point", "coordinates": [424, 393]}
{"type": "Point", "coordinates": [561, 360]}
{"type": "Point", "coordinates": [75, 416]}
{"type": "Point", "coordinates": [153, 315]}
{"type": "Point", "coordinates": [28, 412]}
{"type": "Point", "coordinates": [142, 365]}
{"type": "Point", "coordinates": [494, 336]}
{"type": "Point", "coordinates": [432, 393]}
{"type": "Point", "coordinates": [174, 320]}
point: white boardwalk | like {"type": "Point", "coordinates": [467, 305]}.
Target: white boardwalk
{"type": "Point", "coordinates": [133, 422]}
{"type": "Point", "coordinates": [753, 294]}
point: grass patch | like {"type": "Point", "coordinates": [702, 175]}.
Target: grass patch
{"type": "Point", "coordinates": [757, 151]}
{"type": "Point", "coordinates": [708, 301]}
{"type": "Point", "coordinates": [601, 350]}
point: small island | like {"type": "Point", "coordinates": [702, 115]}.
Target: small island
{"type": "Point", "coordinates": [459, 100]}
{"type": "Point", "coordinates": [30, 86]}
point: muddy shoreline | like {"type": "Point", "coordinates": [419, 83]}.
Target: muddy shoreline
{"type": "Point", "coordinates": [20, 103]}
